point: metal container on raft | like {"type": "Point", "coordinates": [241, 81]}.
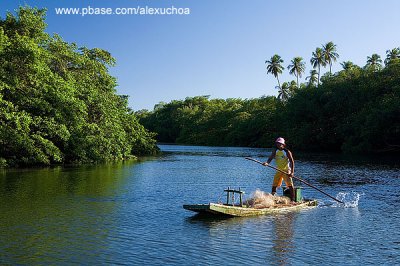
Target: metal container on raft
{"type": "Point", "coordinates": [297, 193]}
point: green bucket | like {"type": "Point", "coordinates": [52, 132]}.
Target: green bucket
{"type": "Point", "coordinates": [298, 196]}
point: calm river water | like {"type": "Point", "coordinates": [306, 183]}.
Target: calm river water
{"type": "Point", "coordinates": [131, 213]}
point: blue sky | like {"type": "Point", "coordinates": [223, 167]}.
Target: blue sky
{"type": "Point", "coordinates": [220, 48]}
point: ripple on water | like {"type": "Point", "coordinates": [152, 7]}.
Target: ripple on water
{"type": "Point", "coordinates": [132, 214]}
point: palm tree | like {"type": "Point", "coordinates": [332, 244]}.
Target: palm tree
{"type": "Point", "coordinates": [313, 78]}
{"type": "Point", "coordinates": [283, 92]}
{"type": "Point", "coordinates": [318, 60]}
{"type": "Point", "coordinates": [347, 65]}
{"type": "Point", "coordinates": [330, 54]}
{"type": "Point", "coordinates": [293, 87]}
{"type": "Point", "coordinates": [374, 61]}
{"type": "Point", "coordinates": [297, 67]}
{"type": "Point", "coordinates": [274, 66]}
{"type": "Point", "coordinates": [392, 55]}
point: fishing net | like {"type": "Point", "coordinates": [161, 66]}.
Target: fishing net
{"type": "Point", "coordinates": [260, 199]}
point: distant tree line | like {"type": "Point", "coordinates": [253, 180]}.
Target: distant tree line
{"type": "Point", "coordinates": [58, 102]}
{"type": "Point", "coordinates": [354, 110]}
{"type": "Point", "coordinates": [199, 120]}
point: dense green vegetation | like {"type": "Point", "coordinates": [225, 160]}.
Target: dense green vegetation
{"type": "Point", "coordinates": [354, 110]}
{"type": "Point", "coordinates": [201, 121]}
{"type": "Point", "coordinates": [58, 103]}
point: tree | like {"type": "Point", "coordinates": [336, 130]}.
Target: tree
{"type": "Point", "coordinates": [313, 78]}
{"type": "Point", "coordinates": [348, 112]}
{"type": "Point", "coordinates": [274, 66]}
{"type": "Point", "coordinates": [392, 55]}
{"type": "Point", "coordinates": [58, 102]}
{"type": "Point", "coordinates": [374, 62]}
{"type": "Point", "coordinates": [297, 68]}
{"type": "Point", "coordinates": [347, 65]}
{"type": "Point", "coordinates": [318, 60]}
{"type": "Point", "coordinates": [293, 88]}
{"type": "Point", "coordinates": [330, 54]}
{"type": "Point", "coordinates": [283, 92]}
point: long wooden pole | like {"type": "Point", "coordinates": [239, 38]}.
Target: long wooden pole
{"type": "Point", "coordinates": [301, 180]}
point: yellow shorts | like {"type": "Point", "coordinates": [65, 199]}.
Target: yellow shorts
{"type": "Point", "coordinates": [278, 180]}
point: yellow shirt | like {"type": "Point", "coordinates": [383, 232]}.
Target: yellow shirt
{"type": "Point", "coordinates": [282, 160]}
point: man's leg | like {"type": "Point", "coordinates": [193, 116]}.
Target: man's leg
{"type": "Point", "coordinates": [289, 183]}
{"type": "Point", "coordinates": [291, 189]}
{"type": "Point", "coordinates": [277, 182]}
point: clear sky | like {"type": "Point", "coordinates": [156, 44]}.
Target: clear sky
{"type": "Point", "coordinates": [219, 49]}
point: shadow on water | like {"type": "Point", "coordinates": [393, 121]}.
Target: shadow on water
{"type": "Point", "coordinates": [337, 159]}
{"type": "Point", "coordinates": [212, 221]}
{"type": "Point", "coordinates": [369, 160]}
{"type": "Point", "coordinates": [207, 219]}
{"type": "Point", "coordinates": [355, 181]}
{"type": "Point", "coordinates": [214, 151]}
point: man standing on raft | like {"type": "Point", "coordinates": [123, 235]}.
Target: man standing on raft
{"type": "Point", "coordinates": [284, 161]}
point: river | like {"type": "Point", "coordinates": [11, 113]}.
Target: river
{"type": "Point", "coordinates": [131, 213]}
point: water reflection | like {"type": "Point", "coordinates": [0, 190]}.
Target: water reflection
{"type": "Point", "coordinates": [47, 214]}
{"type": "Point", "coordinates": [283, 246]}
{"type": "Point", "coordinates": [274, 232]}
{"type": "Point", "coordinates": [132, 214]}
